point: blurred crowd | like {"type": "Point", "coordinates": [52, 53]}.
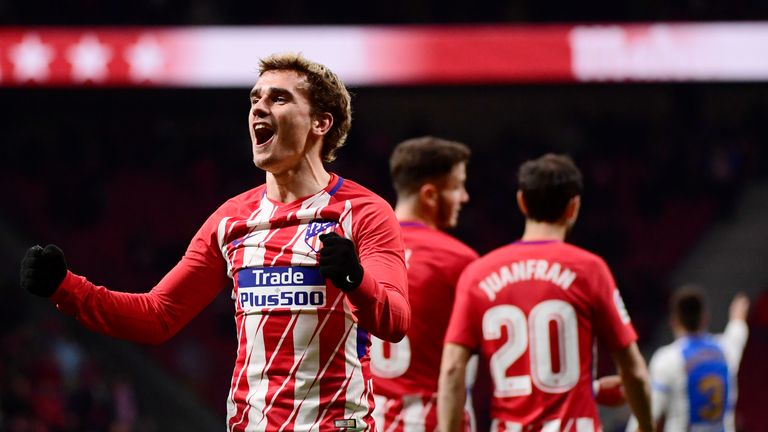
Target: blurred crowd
{"type": "Point", "coordinates": [122, 179]}
{"type": "Point", "coordinates": [51, 382]}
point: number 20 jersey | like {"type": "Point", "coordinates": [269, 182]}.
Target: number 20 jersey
{"type": "Point", "coordinates": [532, 311]}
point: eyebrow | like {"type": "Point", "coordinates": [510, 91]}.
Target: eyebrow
{"type": "Point", "coordinates": [272, 90]}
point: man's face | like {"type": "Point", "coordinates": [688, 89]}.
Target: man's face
{"type": "Point", "coordinates": [280, 121]}
{"type": "Point", "coordinates": [452, 195]}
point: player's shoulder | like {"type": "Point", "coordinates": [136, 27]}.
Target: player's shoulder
{"type": "Point", "coordinates": [436, 240]}
{"type": "Point", "coordinates": [346, 189]}
{"type": "Point", "coordinates": [246, 200]}
{"type": "Point", "coordinates": [667, 358]}
{"type": "Point", "coordinates": [540, 249]}
{"type": "Point", "coordinates": [668, 353]}
{"type": "Point", "coordinates": [581, 254]}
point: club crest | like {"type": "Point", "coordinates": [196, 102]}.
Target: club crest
{"type": "Point", "coordinates": [317, 227]}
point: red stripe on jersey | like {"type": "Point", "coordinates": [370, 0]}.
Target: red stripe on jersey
{"type": "Point", "coordinates": [318, 323]}
{"type": "Point", "coordinates": [240, 382]}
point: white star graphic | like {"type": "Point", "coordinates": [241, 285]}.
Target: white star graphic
{"type": "Point", "coordinates": [31, 58]}
{"type": "Point", "coordinates": [89, 59]}
{"type": "Point", "coordinates": [145, 58]}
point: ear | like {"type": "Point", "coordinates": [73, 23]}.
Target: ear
{"type": "Point", "coordinates": [572, 209]}
{"type": "Point", "coordinates": [322, 123]}
{"type": "Point", "coordinates": [521, 203]}
{"type": "Point", "coordinates": [428, 195]}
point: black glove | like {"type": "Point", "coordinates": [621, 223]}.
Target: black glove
{"type": "Point", "coordinates": [42, 270]}
{"type": "Point", "coordinates": [339, 262]}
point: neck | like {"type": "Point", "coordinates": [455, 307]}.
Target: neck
{"type": "Point", "coordinates": [680, 331]}
{"type": "Point", "coordinates": [305, 179]}
{"type": "Point", "coordinates": [407, 210]}
{"type": "Point", "coordinates": [535, 230]}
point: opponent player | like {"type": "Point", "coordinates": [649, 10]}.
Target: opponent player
{"type": "Point", "coordinates": [532, 309]}
{"type": "Point", "coordinates": [428, 174]}
{"type": "Point", "coordinates": [694, 377]}
{"type": "Point", "coordinates": [316, 263]}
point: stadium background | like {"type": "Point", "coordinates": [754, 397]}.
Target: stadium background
{"type": "Point", "coordinates": [121, 177]}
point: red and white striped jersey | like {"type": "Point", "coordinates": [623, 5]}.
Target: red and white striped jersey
{"type": "Point", "coordinates": [405, 374]}
{"type": "Point", "coordinates": [532, 311]}
{"type": "Point", "coordinates": [302, 359]}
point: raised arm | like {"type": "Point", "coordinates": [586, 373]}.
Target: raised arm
{"type": "Point", "coordinates": [150, 317]}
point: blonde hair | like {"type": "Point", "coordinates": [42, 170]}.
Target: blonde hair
{"type": "Point", "coordinates": [326, 94]}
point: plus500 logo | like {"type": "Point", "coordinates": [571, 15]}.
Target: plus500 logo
{"type": "Point", "coordinates": [285, 298]}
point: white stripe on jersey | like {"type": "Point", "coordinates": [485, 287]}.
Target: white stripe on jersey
{"type": "Point", "coordinates": [231, 407]}
{"type": "Point", "coordinates": [307, 373]}
{"type": "Point", "coordinates": [271, 242]}
{"type": "Point", "coordinates": [291, 244]}
{"type": "Point", "coordinates": [551, 426]}
{"type": "Point", "coordinates": [345, 219]}
{"type": "Point", "coordinates": [300, 250]}
{"type": "Point", "coordinates": [259, 420]}
{"type": "Point", "coordinates": [254, 250]}
{"type": "Point", "coordinates": [357, 388]}
{"type": "Point", "coordinates": [345, 341]}
{"type": "Point", "coordinates": [381, 408]}
{"type": "Point", "coordinates": [253, 346]}
{"type": "Point", "coordinates": [413, 408]}
{"type": "Point", "coordinates": [508, 426]}
{"type": "Point", "coordinates": [584, 424]}
{"type": "Point", "coordinates": [308, 405]}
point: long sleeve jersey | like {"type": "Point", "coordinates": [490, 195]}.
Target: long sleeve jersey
{"type": "Point", "coordinates": [303, 345]}
{"type": "Point", "coordinates": [694, 380]}
{"type": "Point", "coordinates": [405, 374]}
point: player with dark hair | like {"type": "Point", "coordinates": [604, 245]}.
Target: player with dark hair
{"type": "Point", "coordinates": [428, 174]}
{"type": "Point", "coordinates": [316, 264]}
{"type": "Point", "coordinates": [694, 377]}
{"type": "Point", "coordinates": [532, 310]}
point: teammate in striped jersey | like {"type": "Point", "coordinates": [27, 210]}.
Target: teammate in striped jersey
{"type": "Point", "coordinates": [694, 377]}
{"type": "Point", "coordinates": [316, 263]}
{"type": "Point", "coordinates": [532, 309]}
{"type": "Point", "coordinates": [428, 174]}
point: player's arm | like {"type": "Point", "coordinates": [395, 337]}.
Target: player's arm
{"type": "Point", "coordinates": [451, 387]}
{"type": "Point", "coordinates": [663, 369]}
{"type": "Point", "coordinates": [151, 317]}
{"type": "Point", "coordinates": [734, 338]}
{"type": "Point", "coordinates": [371, 271]}
{"type": "Point", "coordinates": [609, 391]}
{"type": "Point", "coordinates": [634, 376]}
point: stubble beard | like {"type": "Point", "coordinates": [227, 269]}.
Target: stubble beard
{"type": "Point", "coordinates": [446, 218]}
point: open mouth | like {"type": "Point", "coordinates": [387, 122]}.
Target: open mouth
{"type": "Point", "coordinates": [262, 133]}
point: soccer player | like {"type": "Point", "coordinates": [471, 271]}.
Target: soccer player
{"type": "Point", "coordinates": [316, 263]}
{"type": "Point", "coordinates": [532, 309]}
{"type": "Point", "coordinates": [428, 174]}
{"type": "Point", "coordinates": [694, 377]}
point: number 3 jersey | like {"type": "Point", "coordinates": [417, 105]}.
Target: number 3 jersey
{"type": "Point", "coordinates": [302, 357]}
{"type": "Point", "coordinates": [694, 380]}
{"type": "Point", "coordinates": [532, 311]}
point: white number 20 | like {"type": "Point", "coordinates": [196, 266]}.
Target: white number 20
{"type": "Point", "coordinates": [536, 332]}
